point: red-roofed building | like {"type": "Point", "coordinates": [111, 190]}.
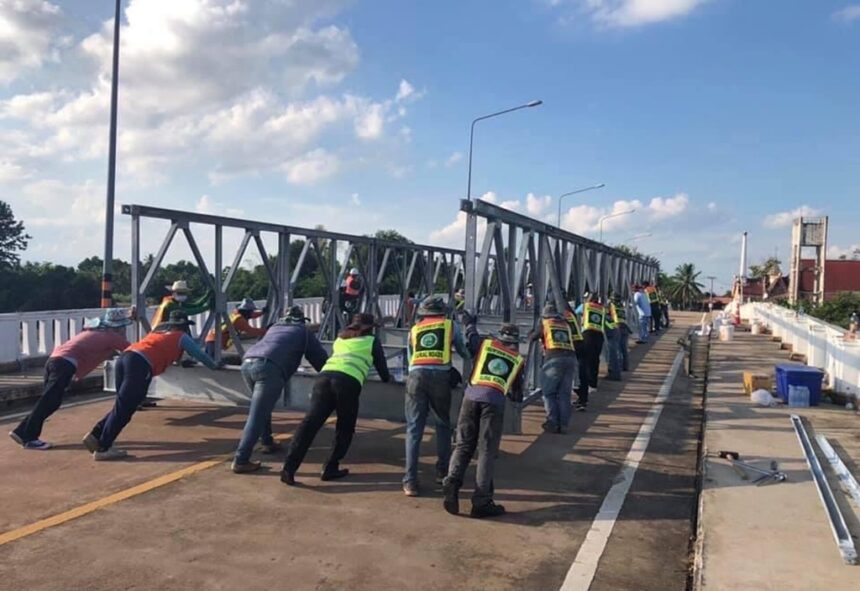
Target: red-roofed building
{"type": "Point", "coordinates": [839, 276]}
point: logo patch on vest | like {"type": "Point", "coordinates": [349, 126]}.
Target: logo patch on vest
{"type": "Point", "coordinates": [429, 341]}
{"type": "Point", "coordinates": [560, 336]}
{"type": "Point", "coordinates": [498, 367]}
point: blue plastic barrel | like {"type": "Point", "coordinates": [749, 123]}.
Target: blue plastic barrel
{"type": "Point", "coordinates": [792, 374]}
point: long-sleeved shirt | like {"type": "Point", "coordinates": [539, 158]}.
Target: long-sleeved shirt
{"type": "Point", "coordinates": [89, 348]}
{"type": "Point", "coordinates": [459, 345]}
{"type": "Point", "coordinates": [643, 305]}
{"type": "Point", "coordinates": [485, 393]}
{"type": "Point", "coordinates": [190, 307]}
{"type": "Point", "coordinates": [242, 326]}
{"type": "Point", "coordinates": [285, 344]}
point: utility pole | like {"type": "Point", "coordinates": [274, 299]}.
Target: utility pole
{"type": "Point", "coordinates": [107, 269]}
{"type": "Point", "coordinates": [711, 301]}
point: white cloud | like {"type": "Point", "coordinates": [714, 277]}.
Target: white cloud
{"type": "Point", "coordinates": [784, 219]}
{"type": "Point", "coordinates": [712, 206]}
{"type": "Point", "coordinates": [453, 235]}
{"type": "Point", "coordinates": [667, 207]}
{"type": "Point", "coordinates": [220, 84]}
{"type": "Point", "coordinates": [537, 206]}
{"type": "Point", "coordinates": [206, 205]}
{"type": "Point", "coordinates": [849, 252]}
{"type": "Point", "coordinates": [849, 14]}
{"type": "Point", "coordinates": [354, 199]}
{"type": "Point", "coordinates": [453, 159]}
{"type": "Point", "coordinates": [27, 36]}
{"type": "Point", "coordinates": [312, 167]}
{"type": "Point", "coordinates": [628, 13]}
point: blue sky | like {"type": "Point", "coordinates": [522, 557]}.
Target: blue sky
{"type": "Point", "coordinates": [708, 117]}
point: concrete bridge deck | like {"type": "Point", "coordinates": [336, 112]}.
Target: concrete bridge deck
{"type": "Point", "coordinates": [174, 517]}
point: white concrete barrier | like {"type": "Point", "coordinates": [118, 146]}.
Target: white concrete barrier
{"type": "Point", "coordinates": [26, 335]}
{"type": "Point", "coordinates": [824, 345]}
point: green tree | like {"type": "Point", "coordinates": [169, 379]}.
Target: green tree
{"type": "Point", "coordinates": [768, 267]}
{"type": "Point", "coordinates": [13, 238]}
{"type": "Point", "coordinates": [686, 289]}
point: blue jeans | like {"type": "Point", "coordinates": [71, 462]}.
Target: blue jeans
{"type": "Point", "coordinates": [624, 333]}
{"type": "Point", "coordinates": [556, 381]}
{"type": "Point", "coordinates": [644, 326]}
{"type": "Point", "coordinates": [613, 354]}
{"type": "Point", "coordinates": [266, 382]}
{"type": "Point", "coordinates": [133, 376]}
{"type": "Point", "coordinates": [426, 390]}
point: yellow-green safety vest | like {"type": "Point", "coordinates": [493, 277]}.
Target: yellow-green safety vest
{"type": "Point", "coordinates": [593, 317]}
{"type": "Point", "coordinates": [572, 320]}
{"type": "Point", "coordinates": [431, 341]}
{"type": "Point", "coordinates": [354, 357]}
{"type": "Point", "coordinates": [497, 366]}
{"type": "Point", "coordinates": [557, 335]}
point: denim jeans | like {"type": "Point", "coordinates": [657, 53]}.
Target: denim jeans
{"type": "Point", "coordinates": [58, 375]}
{"type": "Point", "coordinates": [624, 333]}
{"type": "Point", "coordinates": [426, 390]}
{"type": "Point", "coordinates": [556, 381]}
{"type": "Point", "coordinates": [265, 380]}
{"type": "Point", "coordinates": [644, 324]}
{"type": "Point", "coordinates": [478, 427]}
{"type": "Point", "coordinates": [133, 375]}
{"type": "Point", "coordinates": [613, 355]}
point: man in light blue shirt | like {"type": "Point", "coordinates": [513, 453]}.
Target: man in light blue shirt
{"type": "Point", "coordinates": [643, 310]}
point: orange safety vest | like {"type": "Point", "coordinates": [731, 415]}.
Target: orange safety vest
{"type": "Point", "coordinates": [431, 341]}
{"type": "Point", "coordinates": [350, 289]}
{"type": "Point", "coordinates": [557, 335]}
{"type": "Point", "coordinates": [161, 349]}
{"type": "Point", "coordinates": [497, 366]}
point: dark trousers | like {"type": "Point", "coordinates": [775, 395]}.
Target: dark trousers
{"type": "Point", "coordinates": [58, 375]}
{"type": "Point", "coordinates": [656, 317]}
{"type": "Point", "coordinates": [333, 392]}
{"type": "Point", "coordinates": [625, 333]}
{"type": "Point", "coordinates": [591, 346]}
{"type": "Point", "coordinates": [133, 375]}
{"type": "Point", "coordinates": [666, 315]}
{"type": "Point", "coordinates": [479, 426]}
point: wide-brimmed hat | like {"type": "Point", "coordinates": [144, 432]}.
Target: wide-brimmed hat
{"type": "Point", "coordinates": [178, 318]}
{"type": "Point", "coordinates": [179, 286]}
{"type": "Point", "coordinates": [295, 315]}
{"type": "Point", "coordinates": [247, 305]}
{"type": "Point", "coordinates": [362, 321]}
{"type": "Point", "coordinates": [510, 334]}
{"type": "Point", "coordinates": [111, 318]}
{"type": "Point", "coordinates": [432, 306]}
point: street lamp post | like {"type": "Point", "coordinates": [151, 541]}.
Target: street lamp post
{"type": "Point", "coordinates": [472, 137]}
{"type": "Point", "coordinates": [611, 215]}
{"type": "Point", "coordinates": [563, 195]}
{"type": "Point", "coordinates": [711, 299]}
{"type": "Point", "coordinates": [107, 269]}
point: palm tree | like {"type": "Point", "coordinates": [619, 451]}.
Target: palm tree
{"type": "Point", "coordinates": [685, 288]}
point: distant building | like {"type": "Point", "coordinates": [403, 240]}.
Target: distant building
{"type": "Point", "coordinates": [839, 276]}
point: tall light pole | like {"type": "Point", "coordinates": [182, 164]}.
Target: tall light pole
{"type": "Point", "coordinates": [611, 215]}
{"type": "Point", "coordinates": [563, 195]}
{"type": "Point", "coordinates": [472, 136]}
{"type": "Point", "coordinates": [107, 269]}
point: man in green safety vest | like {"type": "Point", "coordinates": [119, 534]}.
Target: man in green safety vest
{"type": "Point", "coordinates": [558, 369]}
{"type": "Point", "coordinates": [593, 315]}
{"type": "Point", "coordinates": [337, 388]}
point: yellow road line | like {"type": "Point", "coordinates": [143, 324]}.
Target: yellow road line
{"type": "Point", "coordinates": [86, 509]}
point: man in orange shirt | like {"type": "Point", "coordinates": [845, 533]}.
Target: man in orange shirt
{"type": "Point", "coordinates": [239, 318]}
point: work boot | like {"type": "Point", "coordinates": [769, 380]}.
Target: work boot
{"type": "Point", "coordinates": [288, 477]}
{"type": "Point", "coordinates": [245, 467]}
{"type": "Point", "coordinates": [581, 406]}
{"type": "Point", "coordinates": [441, 473]}
{"type": "Point", "coordinates": [410, 488]}
{"type": "Point", "coordinates": [112, 453]}
{"type": "Point", "coordinates": [91, 442]}
{"type": "Point", "coordinates": [271, 448]}
{"type": "Point", "coordinates": [452, 497]}
{"type": "Point", "coordinates": [487, 510]}
{"type": "Point", "coordinates": [333, 472]}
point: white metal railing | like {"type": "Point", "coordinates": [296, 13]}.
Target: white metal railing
{"type": "Point", "coordinates": [825, 346]}
{"type": "Point", "coordinates": [25, 335]}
